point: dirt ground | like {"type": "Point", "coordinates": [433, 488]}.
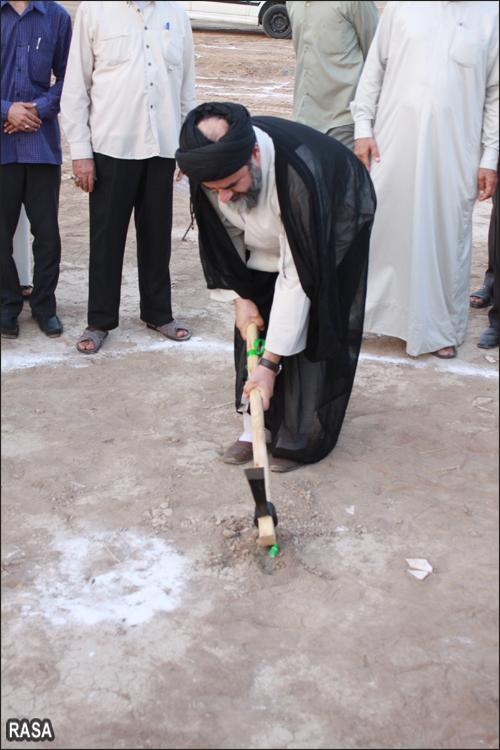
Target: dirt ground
{"type": "Point", "coordinates": [138, 611]}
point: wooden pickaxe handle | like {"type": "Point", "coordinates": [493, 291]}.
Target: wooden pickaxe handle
{"type": "Point", "coordinates": [267, 534]}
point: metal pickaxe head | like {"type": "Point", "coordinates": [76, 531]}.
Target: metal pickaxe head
{"type": "Point", "coordinates": [265, 517]}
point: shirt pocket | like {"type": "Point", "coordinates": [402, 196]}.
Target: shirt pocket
{"type": "Point", "coordinates": [465, 47]}
{"type": "Point", "coordinates": [115, 49]}
{"type": "Point", "coordinates": [40, 57]}
{"type": "Point", "coordinates": [172, 47]}
{"type": "Point", "coordinates": [331, 38]}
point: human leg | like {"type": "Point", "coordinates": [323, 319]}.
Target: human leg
{"type": "Point", "coordinates": [344, 134]}
{"type": "Point", "coordinates": [494, 250]}
{"type": "Point", "coordinates": [490, 338]}
{"type": "Point", "coordinates": [110, 208]}
{"type": "Point", "coordinates": [12, 190]}
{"type": "Point", "coordinates": [241, 451]}
{"type": "Point", "coordinates": [153, 221]}
{"type": "Point", "coordinates": [41, 199]}
{"type": "Point", "coordinates": [484, 296]}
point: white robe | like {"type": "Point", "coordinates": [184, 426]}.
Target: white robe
{"type": "Point", "coordinates": [430, 87]}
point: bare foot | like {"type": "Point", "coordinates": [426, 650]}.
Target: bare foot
{"type": "Point", "coordinates": [477, 300]}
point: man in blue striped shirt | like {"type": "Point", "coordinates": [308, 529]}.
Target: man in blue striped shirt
{"type": "Point", "coordinates": [36, 38]}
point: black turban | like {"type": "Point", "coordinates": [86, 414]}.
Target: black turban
{"type": "Point", "coordinates": [203, 160]}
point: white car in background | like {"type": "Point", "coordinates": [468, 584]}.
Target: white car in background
{"type": "Point", "coordinates": [271, 15]}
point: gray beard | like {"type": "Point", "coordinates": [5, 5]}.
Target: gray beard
{"type": "Point", "coordinates": [248, 201]}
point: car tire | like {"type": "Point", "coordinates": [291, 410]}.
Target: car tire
{"type": "Point", "coordinates": [276, 23]}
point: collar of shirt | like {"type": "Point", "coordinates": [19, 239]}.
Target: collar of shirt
{"type": "Point", "coordinates": [142, 3]}
{"type": "Point", "coordinates": [140, 63]}
{"type": "Point", "coordinates": [34, 45]}
{"type": "Point", "coordinates": [38, 4]}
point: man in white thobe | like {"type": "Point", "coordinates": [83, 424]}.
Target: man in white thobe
{"type": "Point", "coordinates": [426, 112]}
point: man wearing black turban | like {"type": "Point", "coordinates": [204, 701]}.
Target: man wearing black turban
{"type": "Point", "coordinates": [284, 216]}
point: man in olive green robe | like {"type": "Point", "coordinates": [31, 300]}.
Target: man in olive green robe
{"type": "Point", "coordinates": [331, 41]}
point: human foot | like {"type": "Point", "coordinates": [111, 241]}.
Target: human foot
{"type": "Point", "coordinates": [240, 452]}
{"type": "Point", "coordinates": [91, 340]}
{"type": "Point", "coordinates": [482, 298]}
{"type": "Point", "coordinates": [173, 331]}
{"type": "Point", "coordinates": [447, 352]}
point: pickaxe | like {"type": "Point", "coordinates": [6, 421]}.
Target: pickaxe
{"type": "Point", "coordinates": [258, 478]}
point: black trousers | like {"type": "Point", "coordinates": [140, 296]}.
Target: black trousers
{"type": "Point", "coordinates": [489, 276]}
{"type": "Point", "coordinates": [145, 185]}
{"type": "Point", "coordinates": [37, 186]}
{"type": "Point", "coordinates": [493, 253]}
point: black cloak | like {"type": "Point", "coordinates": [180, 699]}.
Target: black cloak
{"type": "Point", "coordinates": [327, 204]}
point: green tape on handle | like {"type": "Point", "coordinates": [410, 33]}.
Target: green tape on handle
{"type": "Point", "coordinates": [258, 350]}
{"type": "Point", "coordinates": [260, 345]}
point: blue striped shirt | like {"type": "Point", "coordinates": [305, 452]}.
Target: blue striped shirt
{"type": "Point", "coordinates": [33, 45]}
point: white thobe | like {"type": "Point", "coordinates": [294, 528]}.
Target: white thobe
{"type": "Point", "coordinates": [22, 249]}
{"type": "Point", "coordinates": [261, 231]}
{"type": "Point", "coordinates": [130, 80]}
{"type": "Point", "coordinates": [430, 87]}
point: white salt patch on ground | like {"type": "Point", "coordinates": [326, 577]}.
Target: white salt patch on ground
{"type": "Point", "coordinates": [248, 94]}
{"type": "Point", "coordinates": [456, 368]}
{"type": "Point", "coordinates": [19, 360]}
{"type": "Point", "coordinates": [140, 576]}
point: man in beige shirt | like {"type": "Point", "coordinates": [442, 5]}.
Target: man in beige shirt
{"type": "Point", "coordinates": [130, 83]}
{"type": "Point", "coordinates": [331, 41]}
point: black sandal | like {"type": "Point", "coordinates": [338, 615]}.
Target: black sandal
{"type": "Point", "coordinates": [446, 356]}
{"type": "Point", "coordinates": [486, 294]}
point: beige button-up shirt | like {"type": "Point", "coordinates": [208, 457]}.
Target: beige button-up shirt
{"type": "Point", "coordinates": [331, 41]}
{"type": "Point", "coordinates": [130, 80]}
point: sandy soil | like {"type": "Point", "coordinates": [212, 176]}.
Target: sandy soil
{"type": "Point", "coordinates": [138, 611]}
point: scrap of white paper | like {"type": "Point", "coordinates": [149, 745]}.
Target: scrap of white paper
{"type": "Point", "coordinates": [491, 359]}
{"type": "Point", "coordinates": [350, 510]}
{"type": "Point", "coordinates": [418, 563]}
{"type": "Point", "coordinates": [420, 574]}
